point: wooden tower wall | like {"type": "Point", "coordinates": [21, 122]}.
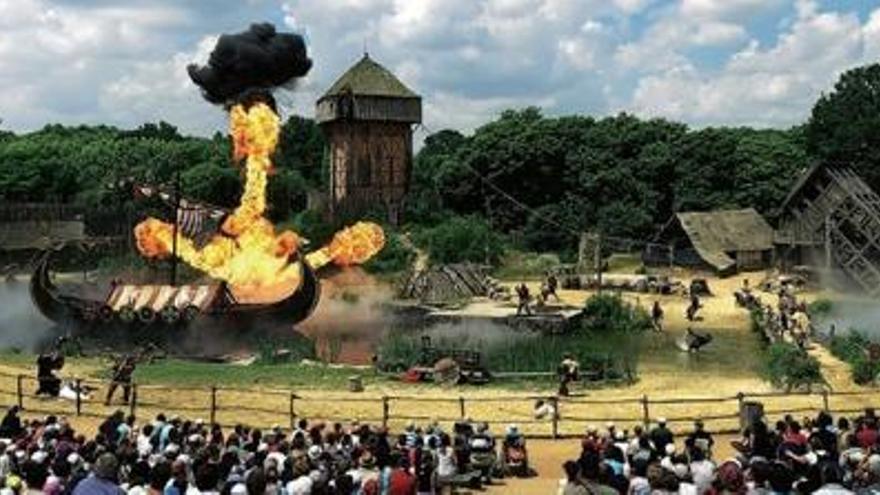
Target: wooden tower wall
{"type": "Point", "coordinates": [370, 167]}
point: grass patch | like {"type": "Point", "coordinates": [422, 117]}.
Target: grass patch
{"type": "Point", "coordinates": [289, 375]}
{"type": "Point", "coordinates": [519, 265]}
{"type": "Point", "coordinates": [625, 263]}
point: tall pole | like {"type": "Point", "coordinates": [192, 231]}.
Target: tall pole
{"type": "Point", "coordinates": [828, 242]}
{"type": "Point", "coordinates": [598, 260]}
{"type": "Point", "coordinates": [174, 231]}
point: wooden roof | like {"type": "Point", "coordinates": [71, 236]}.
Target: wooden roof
{"type": "Point", "coordinates": [369, 78]}
{"type": "Point", "coordinates": [716, 233]}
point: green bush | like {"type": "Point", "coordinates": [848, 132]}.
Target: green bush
{"type": "Point", "coordinates": [820, 307]}
{"type": "Point", "coordinates": [851, 348]}
{"type": "Point", "coordinates": [396, 256]}
{"type": "Point", "coordinates": [608, 312]}
{"type": "Point", "coordinates": [461, 238]}
{"type": "Point", "coordinates": [790, 367]}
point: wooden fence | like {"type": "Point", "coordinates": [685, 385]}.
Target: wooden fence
{"type": "Point", "coordinates": [264, 407]}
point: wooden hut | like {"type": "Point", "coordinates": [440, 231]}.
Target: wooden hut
{"type": "Point", "coordinates": [722, 241]}
{"type": "Point", "coordinates": [368, 116]}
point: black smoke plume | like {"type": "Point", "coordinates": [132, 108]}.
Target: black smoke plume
{"type": "Point", "coordinates": [258, 59]}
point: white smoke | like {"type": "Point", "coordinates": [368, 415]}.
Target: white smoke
{"type": "Point", "coordinates": [21, 324]}
{"type": "Point", "coordinates": [852, 313]}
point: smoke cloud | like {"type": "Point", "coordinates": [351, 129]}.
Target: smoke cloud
{"type": "Point", "coordinates": [21, 325]}
{"type": "Point", "coordinates": [257, 59]}
{"type": "Point", "coordinates": [852, 313]}
{"type": "Point", "coordinates": [351, 317]}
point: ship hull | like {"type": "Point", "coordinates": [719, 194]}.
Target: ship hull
{"type": "Point", "coordinates": [218, 307]}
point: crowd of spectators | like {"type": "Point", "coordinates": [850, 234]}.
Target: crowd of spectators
{"type": "Point", "coordinates": [171, 456]}
{"type": "Point", "coordinates": [814, 455]}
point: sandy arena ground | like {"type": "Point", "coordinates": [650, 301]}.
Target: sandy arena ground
{"type": "Point", "coordinates": [687, 376]}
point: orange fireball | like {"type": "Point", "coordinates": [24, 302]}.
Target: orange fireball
{"type": "Point", "coordinates": [248, 253]}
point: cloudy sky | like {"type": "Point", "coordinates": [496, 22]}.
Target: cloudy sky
{"type": "Point", "coordinates": [705, 62]}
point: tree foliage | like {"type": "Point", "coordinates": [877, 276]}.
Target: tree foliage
{"type": "Point", "coordinates": [843, 125]}
{"type": "Point", "coordinates": [83, 165]}
{"type": "Point", "coordinates": [544, 180]}
{"type": "Point", "coordinates": [461, 238]}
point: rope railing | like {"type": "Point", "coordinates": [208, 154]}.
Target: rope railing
{"type": "Point", "coordinates": [226, 404]}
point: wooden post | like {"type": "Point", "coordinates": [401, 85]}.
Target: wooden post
{"type": "Point", "coordinates": [213, 404]}
{"type": "Point", "coordinates": [825, 400]}
{"type": "Point", "coordinates": [461, 407]}
{"type": "Point", "coordinates": [555, 417]}
{"type": "Point", "coordinates": [598, 263]}
{"type": "Point", "coordinates": [132, 404]}
{"type": "Point", "coordinates": [740, 399]}
{"type": "Point", "coordinates": [78, 396]}
{"type": "Point", "coordinates": [646, 416]}
{"type": "Point", "coordinates": [19, 390]}
{"type": "Point", "coordinates": [291, 412]}
{"type": "Point", "coordinates": [385, 409]}
{"type": "Point", "coordinates": [827, 242]}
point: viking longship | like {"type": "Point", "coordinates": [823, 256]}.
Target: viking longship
{"type": "Point", "coordinates": [169, 305]}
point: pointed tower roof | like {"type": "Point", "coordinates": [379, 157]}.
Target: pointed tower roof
{"type": "Point", "coordinates": [369, 78]}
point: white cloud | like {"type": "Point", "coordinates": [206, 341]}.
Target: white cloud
{"type": "Point", "coordinates": [725, 9]}
{"type": "Point", "coordinates": [162, 90]}
{"type": "Point", "coordinates": [53, 58]}
{"type": "Point", "coordinates": [769, 86]}
{"type": "Point", "coordinates": [694, 60]}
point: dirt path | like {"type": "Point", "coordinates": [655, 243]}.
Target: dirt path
{"type": "Point", "coordinates": [836, 372]}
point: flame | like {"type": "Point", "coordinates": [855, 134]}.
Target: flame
{"type": "Point", "coordinates": [247, 252]}
{"type": "Point", "coordinates": [350, 246]}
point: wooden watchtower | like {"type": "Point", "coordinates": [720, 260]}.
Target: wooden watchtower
{"type": "Point", "coordinates": [367, 116]}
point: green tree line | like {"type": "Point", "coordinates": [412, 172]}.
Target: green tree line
{"type": "Point", "coordinates": [524, 178]}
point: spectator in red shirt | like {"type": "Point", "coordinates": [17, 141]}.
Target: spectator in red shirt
{"type": "Point", "coordinates": [401, 481]}
{"type": "Point", "coordinates": [866, 435]}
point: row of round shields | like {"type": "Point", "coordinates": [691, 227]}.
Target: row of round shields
{"type": "Point", "coordinates": [169, 314]}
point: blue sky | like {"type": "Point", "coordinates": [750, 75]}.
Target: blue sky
{"type": "Point", "coordinates": [704, 62]}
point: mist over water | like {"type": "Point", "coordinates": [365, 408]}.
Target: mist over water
{"type": "Point", "coordinates": [21, 324]}
{"type": "Point", "coordinates": [852, 313]}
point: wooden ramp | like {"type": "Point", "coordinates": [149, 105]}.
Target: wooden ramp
{"type": "Point", "coordinates": [834, 209]}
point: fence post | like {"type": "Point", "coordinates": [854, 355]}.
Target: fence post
{"type": "Point", "coordinates": [646, 416]}
{"type": "Point", "coordinates": [78, 396]}
{"type": "Point", "coordinates": [555, 417]}
{"type": "Point", "coordinates": [290, 411]}
{"type": "Point", "coordinates": [213, 404]}
{"type": "Point", "coordinates": [19, 390]}
{"type": "Point", "coordinates": [385, 411]}
{"type": "Point", "coordinates": [461, 407]}
{"type": "Point", "coordinates": [132, 403]}
{"type": "Point", "coordinates": [825, 400]}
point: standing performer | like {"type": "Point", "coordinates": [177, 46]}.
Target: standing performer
{"type": "Point", "coordinates": [568, 371]}
{"type": "Point", "coordinates": [693, 308]}
{"type": "Point", "coordinates": [122, 371]}
{"type": "Point", "coordinates": [47, 363]}
{"type": "Point", "coordinates": [549, 287]}
{"type": "Point", "coordinates": [657, 316]}
{"type": "Point", "coordinates": [523, 296]}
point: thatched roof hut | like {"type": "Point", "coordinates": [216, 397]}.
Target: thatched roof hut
{"type": "Point", "coordinates": [723, 241]}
